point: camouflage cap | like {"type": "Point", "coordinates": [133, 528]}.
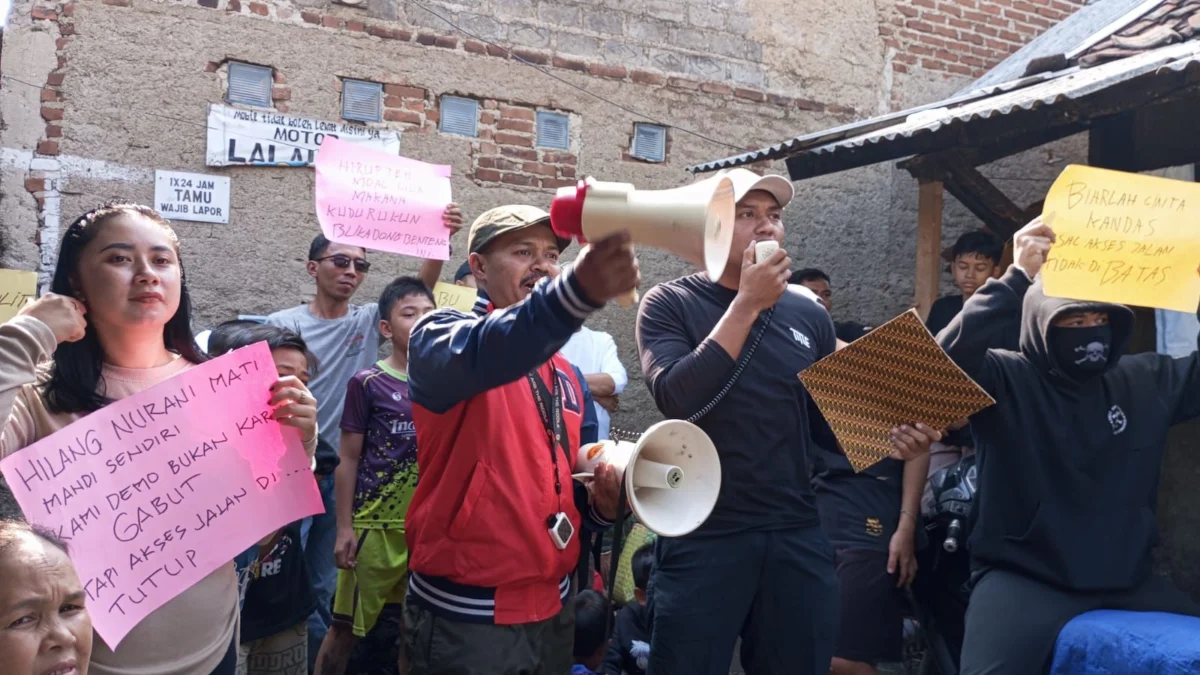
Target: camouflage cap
{"type": "Point", "coordinates": [504, 219]}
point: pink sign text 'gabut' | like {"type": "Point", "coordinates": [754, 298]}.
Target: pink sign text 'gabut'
{"type": "Point", "coordinates": [156, 491]}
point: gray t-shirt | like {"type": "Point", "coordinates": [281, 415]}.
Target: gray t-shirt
{"type": "Point", "coordinates": [343, 347]}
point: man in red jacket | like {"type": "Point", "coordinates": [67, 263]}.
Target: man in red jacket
{"type": "Point", "coordinates": [493, 529]}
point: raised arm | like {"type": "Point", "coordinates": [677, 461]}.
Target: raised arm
{"type": "Point", "coordinates": [454, 356]}
{"type": "Point", "coordinates": [683, 376]}
{"type": "Point", "coordinates": [987, 317]}
{"type": "Point", "coordinates": [432, 269]}
{"type": "Point", "coordinates": [25, 341]}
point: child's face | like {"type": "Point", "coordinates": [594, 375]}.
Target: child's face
{"type": "Point", "coordinates": [971, 271]}
{"type": "Point", "coordinates": [405, 313]}
{"type": "Point", "coordinates": [291, 362]}
{"type": "Point", "coordinates": [44, 626]}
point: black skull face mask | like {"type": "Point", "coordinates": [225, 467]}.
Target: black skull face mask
{"type": "Point", "coordinates": [1081, 353]}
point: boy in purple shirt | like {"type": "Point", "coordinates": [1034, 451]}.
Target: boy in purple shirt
{"type": "Point", "coordinates": [374, 482]}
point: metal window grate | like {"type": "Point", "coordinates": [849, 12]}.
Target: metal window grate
{"type": "Point", "coordinates": [249, 84]}
{"type": "Point", "coordinates": [362, 101]}
{"type": "Point", "coordinates": [649, 142]}
{"type": "Point", "coordinates": [553, 130]}
{"type": "Point", "coordinates": [459, 115]}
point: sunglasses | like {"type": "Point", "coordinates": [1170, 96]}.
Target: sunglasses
{"type": "Point", "coordinates": [343, 261]}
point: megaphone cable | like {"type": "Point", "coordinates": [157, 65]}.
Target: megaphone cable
{"type": "Point", "coordinates": [617, 434]}
{"type": "Point", "coordinates": [742, 363]}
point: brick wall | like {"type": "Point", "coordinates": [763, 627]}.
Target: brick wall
{"type": "Point", "coordinates": [966, 38]}
{"type": "Point", "coordinates": [506, 151]}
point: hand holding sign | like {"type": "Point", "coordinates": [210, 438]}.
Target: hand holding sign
{"type": "Point", "coordinates": [156, 491]}
{"type": "Point", "coordinates": [376, 200]}
{"type": "Point", "coordinates": [294, 406]}
{"type": "Point", "coordinates": [1031, 245]}
{"type": "Point", "coordinates": [1124, 238]}
{"type": "Point", "coordinates": [453, 218]}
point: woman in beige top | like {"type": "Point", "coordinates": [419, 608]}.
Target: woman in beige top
{"type": "Point", "coordinates": [118, 321]}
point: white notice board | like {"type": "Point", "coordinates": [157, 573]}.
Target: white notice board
{"type": "Point", "coordinates": [192, 196]}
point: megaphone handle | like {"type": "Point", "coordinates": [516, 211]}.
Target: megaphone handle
{"type": "Point", "coordinates": [614, 558]}
{"type": "Point", "coordinates": [629, 299]}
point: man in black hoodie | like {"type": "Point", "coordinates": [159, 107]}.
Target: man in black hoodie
{"type": "Point", "coordinates": [1069, 461]}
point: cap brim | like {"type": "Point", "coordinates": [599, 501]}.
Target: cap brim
{"type": "Point", "coordinates": [779, 187]}
{"type": "Point", "coordinates": [562, 243]}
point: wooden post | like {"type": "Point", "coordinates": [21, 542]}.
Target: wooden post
{"type": "Point", "coordinates": [929, 245]}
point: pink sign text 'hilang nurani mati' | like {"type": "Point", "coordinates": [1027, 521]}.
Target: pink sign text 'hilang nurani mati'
{"type": "Point", "coordinates": [158, 490]}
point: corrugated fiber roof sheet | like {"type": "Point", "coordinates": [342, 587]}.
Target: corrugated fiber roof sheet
{"type": "Point", "coordinates": [1072, 85]}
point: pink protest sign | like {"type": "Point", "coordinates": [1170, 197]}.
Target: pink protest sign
{"type": "Point", "coordinates": [156, 491]}
{"type": "Point", "coordinates": [372, 199]}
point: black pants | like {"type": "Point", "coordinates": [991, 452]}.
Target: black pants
{"type": "Point", "coordinates": [439, 646]}
{"type": "Point", "coordinates": [777, 590]}
{"type": "Point", "coordinates": [1013, 621]}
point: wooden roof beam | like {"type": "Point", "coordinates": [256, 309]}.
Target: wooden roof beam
{"type": "Point", "coordinates": [974, 191]}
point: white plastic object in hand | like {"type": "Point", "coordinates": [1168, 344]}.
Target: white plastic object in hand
{"type": "Point", "coordinates": [765, 249]}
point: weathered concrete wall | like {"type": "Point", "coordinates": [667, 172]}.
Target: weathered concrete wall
{"type": "Point", "coordinates": [126, 83]}
{"type": "Point", "coordinates": [123, 105]}
{"type": "Point", "coordinates": [99, 94]}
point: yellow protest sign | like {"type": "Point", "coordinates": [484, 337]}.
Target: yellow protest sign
{"type": "Point", "coordinates": [1124, 238]}
{"type": "Point", "coordinates": [16, 288]}
{"type": "Point", "coordinates": [461, 298]}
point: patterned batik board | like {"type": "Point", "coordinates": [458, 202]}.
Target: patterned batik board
{"type": "Point", "coordinates": [896, 374]}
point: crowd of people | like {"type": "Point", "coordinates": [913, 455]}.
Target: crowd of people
{"type": "Point", "coordinates": [478, 553]}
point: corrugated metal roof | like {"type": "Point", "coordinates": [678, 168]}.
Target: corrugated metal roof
{"type": "Point", "coordinates": [1073, 84]}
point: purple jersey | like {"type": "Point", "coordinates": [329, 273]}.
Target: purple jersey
{"type": "Point", "coordinates": [378, 407]}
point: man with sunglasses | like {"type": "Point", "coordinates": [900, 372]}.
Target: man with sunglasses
{"type": "Point", "coordinates": [345, 339]}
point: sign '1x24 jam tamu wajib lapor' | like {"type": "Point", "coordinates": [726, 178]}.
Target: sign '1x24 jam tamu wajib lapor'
{"type": "Point", "coordinates": [238, 137]}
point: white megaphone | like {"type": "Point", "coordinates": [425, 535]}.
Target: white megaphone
{"type": "Point", "coordinates": [672, 475]}
{"type": "Point", "coordinates": [694, 222]}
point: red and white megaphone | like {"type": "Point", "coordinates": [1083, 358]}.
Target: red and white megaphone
{"type": "Point", "coordinates": [672, 475]}
{"type": "Point", "coordinates": [694, 222]}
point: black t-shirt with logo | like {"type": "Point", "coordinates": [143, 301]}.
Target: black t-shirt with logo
{"type": "Point", "coordinates": [279, 595]}
{"type": "Point", "coordinates": [761, 427]}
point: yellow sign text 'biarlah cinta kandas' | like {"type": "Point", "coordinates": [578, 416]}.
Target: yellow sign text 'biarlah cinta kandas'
{"type": "Point", "coordinates": [1124, 238]}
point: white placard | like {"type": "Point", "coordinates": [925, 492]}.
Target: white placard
{"type": "Point", "coordinates": [192, 196]}
{"type": "Point", "coordinates": [262, 138]}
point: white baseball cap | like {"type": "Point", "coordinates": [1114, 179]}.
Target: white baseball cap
{"type": "Point", "coordinates": [745, 180]}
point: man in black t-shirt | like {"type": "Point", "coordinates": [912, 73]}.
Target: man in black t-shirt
{"type": "Point", "coordinates": [760, 566]}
